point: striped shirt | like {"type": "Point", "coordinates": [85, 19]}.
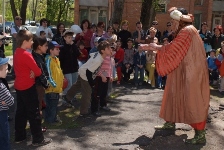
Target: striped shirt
{"type": "Point", "coordinates": [5, 97]}
{"type": "Point", "coordinates": [106, 67]}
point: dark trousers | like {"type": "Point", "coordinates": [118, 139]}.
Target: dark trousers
{"type": "Point", "coordinates": [28, 109]}
{"type": "Point", "coordinates": [4, 131]}
{"type": "Point", "coordinates": [126, 73]}
{"type": "Point", "coordinates": [213, 75]}
{"type": "Point", "coordinates": [99, 94]}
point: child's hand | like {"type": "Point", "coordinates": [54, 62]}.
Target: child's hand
{"type": "Point", "coordinates": [3, 103]}
{"type": "Point", "coordinates": [32, 75]}
{"type": "Point", "coordinates": [41, 113]}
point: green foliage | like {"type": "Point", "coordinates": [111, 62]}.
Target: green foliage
{"type": "Point", "coordinates": [54, 10]}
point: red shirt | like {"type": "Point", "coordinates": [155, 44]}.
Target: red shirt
{"type": "Point", "coordinates": [86, 38]}
{"type": "Point", "coordinates": [23, 64]}
{"type": "Point", "coordinates": [119, 55]}
{"type": "Point", "coordinates": [84, 55]}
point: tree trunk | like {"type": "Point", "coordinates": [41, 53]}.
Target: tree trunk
{"type": "Point", "coordinates": [146, 14]}
{"type": "Point", "coordinates": [34, 9]}
{"type": "Point", "coordinates": [118, 11]}
{"type": "Point", "coordinates": [23, 10]}
{"type": "Point", "coordinates": [13, 8]}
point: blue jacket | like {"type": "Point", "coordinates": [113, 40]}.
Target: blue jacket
{"type": "Point", "coordinates": [139, 60]}
{"type": "Point", "coordinates": [211, 63]}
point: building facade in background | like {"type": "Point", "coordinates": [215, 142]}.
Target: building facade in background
{"type": "Point", "coordinates": [210, 11]}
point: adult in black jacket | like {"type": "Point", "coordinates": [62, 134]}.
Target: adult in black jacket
{"type": "Point", "coordinates": [58, 36]}
{"type": "Point", "coordinates": [124, 34]}
{"type": "Point", "coordinates": [217, 38]}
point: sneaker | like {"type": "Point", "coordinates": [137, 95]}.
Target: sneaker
{"type": "Point", "coordinates": [44, 142]}
{"type": "Point", "coordinates": [96, 114]}
{"type": "Point", "coordinates": [105, 108]}
{"type": "Point", "coordinates": [149, 81]}
{"type": "Point", "coordinates": [20, 141]}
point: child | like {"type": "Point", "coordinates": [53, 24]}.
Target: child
{"type": "Point", "coordinates": [87, 73]}
{"type": "Point", "coordinates": [6, 100]}
{"type": "Point", "coordinates": [94, 49]}
{"type": "Point", "coordinates": [42, 34]}
{"type": "Point", "coordinates": [150, 67]}
{"type": "Point", "coordinates": [101, 86]}
{"type": "Point", "coordinates": [68, 58]}
{"type": "Point", "coordinates": [26, 70]}
{"type": "Point", "coordinates": [84, 54]}
{"type": "Point", "coordinates": [56, 83]}
{"type": "Point", "coordinates": [139, 63]}
{"type": "Point", "coordinates": [2, 55]}
{"type": "Point", "coordinates": [219, 62]}
{"type": "Point", "coordinates": [129, 52]}
{"type": "Point", "coordinates": [40, 46]}
{"type": "Point", "coordinates": [212, 68]}
{"type": "Point", "coordinates": [119, 57]}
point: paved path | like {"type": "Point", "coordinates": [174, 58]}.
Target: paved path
{"type": "Point", "coordinates": [129, 126]}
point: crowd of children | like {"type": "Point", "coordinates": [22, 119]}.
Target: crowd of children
{"type": "Point", "coordinates": [40, 74]}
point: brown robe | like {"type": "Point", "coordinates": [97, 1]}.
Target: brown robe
{"type": "Point", "coordinates": [187, 94]}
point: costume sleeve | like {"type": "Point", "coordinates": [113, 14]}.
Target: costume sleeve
{"type": "Point", "coordinates": [171, 55]}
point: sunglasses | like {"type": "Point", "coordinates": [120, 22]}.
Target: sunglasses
{"type": "Point", "coordinates": [45, 22]}
{"type": "Point", "coordinates": [19, 19]}
{"type": "Point", "coordinates": [168, 25]}
{"type": "Point", "coordinates": [155, 24]}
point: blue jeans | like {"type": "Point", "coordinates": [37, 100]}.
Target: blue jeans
{"type": "Point", "coordinates": [81, 63]}
{"type": "Point", "coordinates": [72, 78]}
{"type": "Point", "coordinates": [159, 81]}
{"type": "Point", "coordinates": [51, 109]}
{"type": "Point", "coordinates": [4, 131]}
{"type": "Point", "coordinates": [141, 70]}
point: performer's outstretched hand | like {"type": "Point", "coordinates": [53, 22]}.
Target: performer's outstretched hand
{"type": "Point", "coordinates": [151, 46]}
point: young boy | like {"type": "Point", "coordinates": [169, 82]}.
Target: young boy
{"type": "Point", "coordinates": [42, 34]}
{"type": "Point", "coordinates": [56, 83]}
{"type": "Point", "coordinates": [87, 73]}
{"type": "Point", "coordinates": [94, 49]}
{"type": "Point", "coordinates": [26, 70]}
{"type": "Point", "coordinates": [6, 100]}
{"type": "Point", "coordinates": [68, 56]}
{"type": "Point", "coordinates": [212, 68]}
{"type": "Point", "coordinates": [139, 63]}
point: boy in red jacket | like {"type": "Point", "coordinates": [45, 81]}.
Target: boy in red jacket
{"type": "Point", "coordinates": [26, 70]}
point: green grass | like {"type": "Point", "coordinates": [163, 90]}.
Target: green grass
{"type": "Point", "coordinates": [8, 50]}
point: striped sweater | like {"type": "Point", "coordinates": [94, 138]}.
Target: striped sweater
{"type": "Point", "coordinates": [106, 67]}
{"type": "Point", "coordinates": [6, 99]}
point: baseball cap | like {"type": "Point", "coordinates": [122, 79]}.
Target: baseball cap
{"type": "Point", "coordinates": [3, 61]}
{"type": "Point", "coordinates": [101, 39]}
{"type": "Point", "coordinates": [53, 44]}
{"type": "Point", "coordinates": [96, 39]}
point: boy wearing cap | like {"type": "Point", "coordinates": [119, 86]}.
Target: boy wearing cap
{"type": "Point", "coordinates": [26, 70]}
{"type": "Point", "coordinates": [94, 49]}
{"type": "Point", "coordinates": [6, 100]}
{"type": "Point", "coordinates": [87, 74]}
{"type": "Point", "coordinates": [56, 83]}
{"type": "Point", "coordinates": [68, 56]}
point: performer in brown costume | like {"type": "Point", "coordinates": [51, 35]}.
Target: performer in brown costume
{"type": "Point", "coordinates": [187, 94]}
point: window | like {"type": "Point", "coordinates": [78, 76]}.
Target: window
{"type": "Point", "coordinates": [103, 16]}
{"type": "Point", "coordinates": [161, 8]}
{"type": "Point", "coordinates": [83, 14]}
{"type": "Point", "coordinates": [197, 21]}
{"type": "Point", "coordinates": [198, 2]}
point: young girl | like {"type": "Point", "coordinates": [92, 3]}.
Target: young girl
{"type": "Point", "coordinates": [83, 54]}
{"type": "Point", "coordinates": [119, 57]}
{"type": "Point", "coordinates": [39, 48]}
